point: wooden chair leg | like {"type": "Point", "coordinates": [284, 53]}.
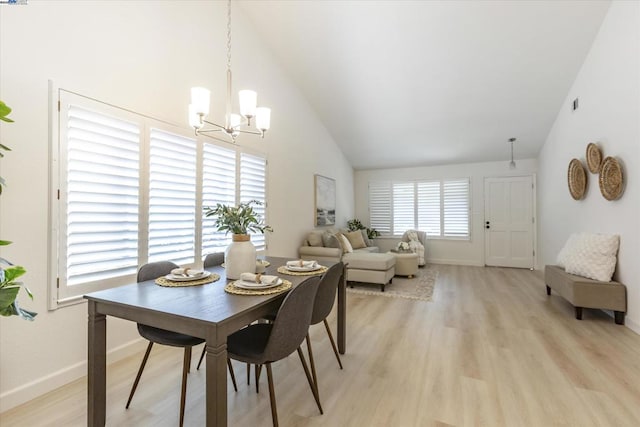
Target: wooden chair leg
{"type": "Point", "coordinates": [312, 362]}
{"type": "Point", "coordinates": [272, 396]}
{"type": "Point", "coordinates": [333, 344]}
{"type": "Point", "coordinates": [248, 374]}
{"type": "Point", "coordinates": [258, 369]}
{"type": "Point", "coordinates": [137, 380]}
{"type": "Point", "coordinates": [185, 370]}
{"type": "Point", "coordinates": [204, 351]}
{"type": "Point", "coordinates": [314, 389]}
{"type": "Point", "coordinates": [233, 375]}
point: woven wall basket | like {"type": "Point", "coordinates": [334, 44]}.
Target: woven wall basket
{"type": "Point", "coordinates": [577, 179]}
{"type": "Point", "coordinates": [611, 179]}
{"type": "Point", "coordinates": [594, 158]}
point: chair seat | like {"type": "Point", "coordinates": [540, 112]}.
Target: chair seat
{"type": "Point", "coordinates": [248, 344]}
{"type": "Point", "coordinates": [162, 336]}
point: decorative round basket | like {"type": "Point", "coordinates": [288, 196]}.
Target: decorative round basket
{"type": "Point", "coordinates": [594, 158]}
{"type": "Point", "coordinates": [577, 179]}
{"type": "Point", "coordinates": [611, 179]}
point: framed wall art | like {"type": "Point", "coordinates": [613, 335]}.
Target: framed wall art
{"type": "Point", "coordinates": [325, 201]}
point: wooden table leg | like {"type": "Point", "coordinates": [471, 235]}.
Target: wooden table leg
{"type": "Point", "coordinates": [216, 386]}
{"type": "Point", "coordinates": [342, 312]}
{"type": "Point", "coordinates": [97, 367]}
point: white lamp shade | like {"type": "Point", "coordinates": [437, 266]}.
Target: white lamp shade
{"type": "Point", "coordinates": [248, 102]}
{"type": "Point", "coordinates": [263, 118]}
{"type": "Point", "coordinates": [194, 118]}
{"type": "Point", "coordinates": [235, 120]}
{"type": "Point", "coordinates": [200, 98]}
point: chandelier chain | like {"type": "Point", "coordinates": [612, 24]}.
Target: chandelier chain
{"type": "Point", "coordinates": [229, 35]}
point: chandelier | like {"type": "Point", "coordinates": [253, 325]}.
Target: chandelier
{"type": "Point", "coordinates": [234, 124]}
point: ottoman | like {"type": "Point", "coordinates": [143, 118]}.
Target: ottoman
{"type": "Point", "coordinates": [406, 263]}
{"type": "Point", "coordinates": [370, 268]}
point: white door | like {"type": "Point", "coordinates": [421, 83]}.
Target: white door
{"type": "Point", "coordinates": [508, 221]}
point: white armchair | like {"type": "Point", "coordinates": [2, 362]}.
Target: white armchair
{"type": "Point", "coordinates": [418, 242]}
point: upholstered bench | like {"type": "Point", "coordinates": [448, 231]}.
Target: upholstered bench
{"type": "Point", "coordinates": [370, 268]}
{"type": "Point", "coordinates": [587, 293]}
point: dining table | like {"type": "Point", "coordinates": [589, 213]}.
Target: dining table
{"type": "Point", "coordinates": [204, 311]}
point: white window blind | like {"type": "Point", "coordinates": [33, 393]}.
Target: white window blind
{"type": "Point", "coordinates": [253, 171]}
{"type": "Point", "coordinates": [172, 197]}
{"type": "Point", "coordinates": [456, 207]}
{"type": "Point", "coordinates": [404, 211]}
{"type": "Point", "coordinates": [99, 198]}
{"type": "Point", "coordinates": [218, 186]}
{"type": "Point", "coordinates": [380, 207]}
{"type": "Point", "coordinates": [441, 208]}
{"type": "Point", "coordinates": [429, 207]}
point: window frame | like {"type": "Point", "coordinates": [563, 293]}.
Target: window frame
{"type": "Point", "coordinates": [378, 184]}
{"type": "Point", "coordinates": [61, 294]}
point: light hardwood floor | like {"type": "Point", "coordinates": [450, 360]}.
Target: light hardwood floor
{"type": "Point", "coordinates": [491, 349]}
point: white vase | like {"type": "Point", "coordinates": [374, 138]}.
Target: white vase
{"type": "Point", "coordinates": [240, 257]}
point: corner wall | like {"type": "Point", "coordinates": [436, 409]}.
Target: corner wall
{"type": "Point", "coordinates": [144, 56]}
{"type": "Point", "coordinates": [608, 88]}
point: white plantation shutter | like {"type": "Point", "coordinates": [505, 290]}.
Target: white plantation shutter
{"type": "Point", "coordinates": [429, 207]}
{"type": "Point", "coordinates": [99, 198]}
{"type": "Point", "coordinates": [456, 207]}
{"type": "Point", "coordinates": [403, 207]}
{"type": "Point", "coordinates": [172, 197]}
{"type": "Point", "coordinates": [380, 207]}
{"type": "Point", "coordinates": [253, 184]}
{"type": "Point", "coordinates": [218, 186]}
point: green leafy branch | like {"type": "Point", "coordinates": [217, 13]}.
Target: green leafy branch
{"type": "Point", "coordinates": [239, 219]}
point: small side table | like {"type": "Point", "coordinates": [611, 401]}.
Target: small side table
{"type": "Point", "coordinates": [406, 263]}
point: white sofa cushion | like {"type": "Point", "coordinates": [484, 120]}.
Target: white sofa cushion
{"type": "Point", "coordinates": [567, 249]}
{"type": "Point", "coordinates": [592, 255]}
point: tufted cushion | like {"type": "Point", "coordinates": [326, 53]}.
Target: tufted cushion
{"type": "Point", "coordinates": [567, 249]}
{"type": "Point", "coordinates": [592, 255]}
{"type": "Point", "coordinates": [355, 239]}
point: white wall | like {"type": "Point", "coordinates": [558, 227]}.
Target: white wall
{"type": "Point", "coordinates": [608, 87]}
{"type": "Point", "coordinates": [144, 56]}
{"type": "Point", "coordinates": [441, 251]}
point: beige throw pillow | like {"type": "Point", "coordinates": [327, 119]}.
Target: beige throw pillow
{"type": "Point", "coordinates": [344, 242]}
{"type": "Point", "coordinates": [593, 256]}
{"type": "Point", "coordinates": [367, 242]}
{"type": "Point", "coordinates": [314, 239]}
{"type": "Point", "coordinates": [329, 240]}
{"type": "Point", "coordinates": [355, 239]}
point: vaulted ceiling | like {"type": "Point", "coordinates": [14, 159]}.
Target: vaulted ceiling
{"type": "Point", "coordinates": [411, 83]}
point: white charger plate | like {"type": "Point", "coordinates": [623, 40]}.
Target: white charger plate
{"type": "Point", "coordinates": [252, 285]}
{"type": "Point", "coordinates": [318, 267]}
{"type": "Point", "coordinates": [188, 278]}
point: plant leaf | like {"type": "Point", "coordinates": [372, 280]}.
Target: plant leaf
{"type": "Point", "coordinates": [4, 242]}
{"type": "Point", "coordinates": [7, 297]}
{"type": "Point", "coordinates": [12, 273]}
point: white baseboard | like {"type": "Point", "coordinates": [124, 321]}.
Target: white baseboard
{"type": "Point", "coordinates": [455, 262]}
{"type": "Point", "coordinates": [635, 327]}
{"type": "Point", "coordinates": [24, 393]}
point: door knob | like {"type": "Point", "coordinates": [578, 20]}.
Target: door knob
{"type": "Point", "coordinates": [487, 226]}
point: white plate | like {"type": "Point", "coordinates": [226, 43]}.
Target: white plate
{"type": "Point", "coordinates": [318, 267]}
{"type": "Point", "coordinates": [188, 278]}
{"type": "Point", "coordinates": [252, 285]}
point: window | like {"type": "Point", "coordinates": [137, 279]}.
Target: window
{"type": "Point", "coordinates": [131, 191]}
{"type": "Point", "coordinates": [441, 208]}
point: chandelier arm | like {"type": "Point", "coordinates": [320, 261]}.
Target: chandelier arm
{"type": "Point", "coordinates": [253, 132]}
{"type": "Point", "coordinates": [214, 124]}
{"type": "Point", "coordinates": [228, 141]}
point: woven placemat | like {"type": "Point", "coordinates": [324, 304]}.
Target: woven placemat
{"type": "Point", "coordinates": [230, 288]}
{"type": "Point", "coordinates": [163, 281]}
{"type": "Point", "coordinates": [283, 270]}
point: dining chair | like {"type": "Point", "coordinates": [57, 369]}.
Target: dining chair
{"type": "Point", "coordinates": [155, 335]}
{"type": "Point", "coordinates": [265, 343]}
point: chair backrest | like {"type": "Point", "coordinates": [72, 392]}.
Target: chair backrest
{"type": "Point", "coordinates": [326, 295]}
{"type": "Point", "coordinates": [291, 324]}
{"type": "Point", "coordinates": [214, 259]}
{"type": "Point", "coordinates": [153, 270]}
{"type": "Point", "coordinates": [422, 236]}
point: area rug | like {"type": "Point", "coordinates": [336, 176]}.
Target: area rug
{"type": "Point", "coordinates": [419, 288]}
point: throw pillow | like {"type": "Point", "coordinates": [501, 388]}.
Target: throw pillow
{"type": "Point", "coordinates": [344, 242]}
{"type": "Point", "coordinates": [355, 239]}
{"type": "Point", "coordinates": [314, 239]}
{"type": "Point", "coordinates": [329, 240]}
{"type": "Point", "coordinates": [568, 248]}
{"type": "Point", "coordinates": [366, 239]}
{"type": "Point", "coordinates": [594, 256]}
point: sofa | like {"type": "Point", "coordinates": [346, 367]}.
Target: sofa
{"type": "Point", "coordinates": [324, 245]}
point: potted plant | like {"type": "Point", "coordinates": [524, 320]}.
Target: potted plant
{"type": "Point", "coordinates": [9, 286]}
{"type": "Point", "coordinates": [240, 255]}
{"type": "Point", "coordinates": [355, 224]}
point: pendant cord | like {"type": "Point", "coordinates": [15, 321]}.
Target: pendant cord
{"type": "Point", "coordinates": [229, 35]}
